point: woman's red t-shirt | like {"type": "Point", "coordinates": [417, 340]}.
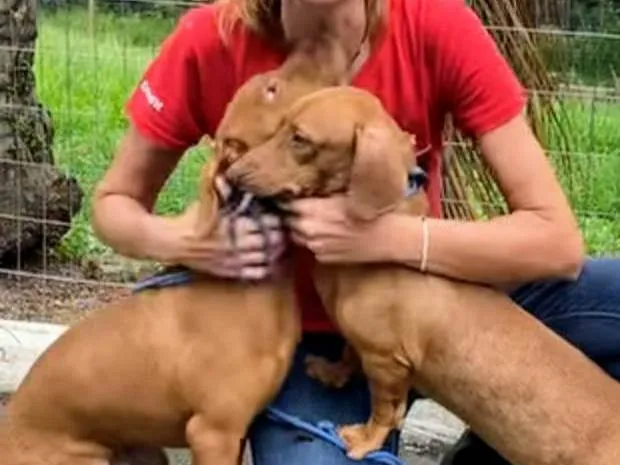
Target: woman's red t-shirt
{"type": "Point", "coordinates": [434, 58]}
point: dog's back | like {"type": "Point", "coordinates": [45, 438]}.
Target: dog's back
{"type": "Point", "coordinates": [136, 371]}
{"type": "Point", "coordinates": [142, 369]}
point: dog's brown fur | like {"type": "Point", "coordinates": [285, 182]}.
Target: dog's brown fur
{"type": "Point", "coordinates": [189, 364]}
{"type": "Point", "coordinates": [528, 393]}
{"type": "Point", "coordinates": [255, 112]}
{"type": "Point", "coordinates": [185, 365]}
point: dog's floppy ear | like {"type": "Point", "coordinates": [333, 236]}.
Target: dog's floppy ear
{"type": "Point", "coordinates": [379, 173]}
{"type": "Point", "coordinates": [208, 204]}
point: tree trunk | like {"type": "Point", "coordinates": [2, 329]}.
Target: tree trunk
{"type": "Point", "coordinates": [37, 201]}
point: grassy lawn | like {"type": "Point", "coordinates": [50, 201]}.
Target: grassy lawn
{"type": "Point", "coordinates": [85, 77]}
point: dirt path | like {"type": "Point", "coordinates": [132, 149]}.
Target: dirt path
{"type": "Point", "coordinates": [59, 292]}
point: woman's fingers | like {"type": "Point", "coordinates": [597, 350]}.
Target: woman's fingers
{"type": "Point", "coordinates": [252, 265]}
{"type": "Point", "coordinates": [247, 234]}
{"type": "Point", "coordinates": [246, 272]}
{"type": "Point", "coordinates": [257, 242]}
{"type": "Point", "coordinates": [244, 248]}
{"type": "Point", "coordinates": [245, 225]}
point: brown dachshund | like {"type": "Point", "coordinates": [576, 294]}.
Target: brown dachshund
{"type": "Point", "coordinates": [524, 390]}
{"type": "Point", "coordinates": [181, 365]}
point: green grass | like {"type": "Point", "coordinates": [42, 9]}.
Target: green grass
{"type": "Point", "coordinates": [593, 185]}
{"type": "Point", "coordinates": [84, 77]}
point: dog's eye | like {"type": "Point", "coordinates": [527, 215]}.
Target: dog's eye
{"type": "Point", "coordinates": [299, 140]}
{"type": "Point", "coordinates": [303, 148]}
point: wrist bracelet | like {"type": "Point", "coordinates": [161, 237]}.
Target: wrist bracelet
{"type": "Point", "coordinates": [425, 241]}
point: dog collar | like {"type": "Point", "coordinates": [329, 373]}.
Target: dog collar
{"type": "Point", "coordinates": [416, 181]}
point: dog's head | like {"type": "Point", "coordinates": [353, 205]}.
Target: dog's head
{"type": "Point", "coordinates": [256, 110]}
{"type": "Point", "coordinates": [336, 140]}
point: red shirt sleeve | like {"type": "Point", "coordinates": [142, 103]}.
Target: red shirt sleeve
{"type": "Point", "coordinates": [474, 82]}
{"type": "Point", "coordinates": [169, 105]}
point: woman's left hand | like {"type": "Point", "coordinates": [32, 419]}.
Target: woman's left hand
{"type": "Point", "coordinates": [323, 226]}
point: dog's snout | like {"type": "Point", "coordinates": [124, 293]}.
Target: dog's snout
{"type": "Point", "coordinates": [239, 169]}
{"type": "Point", "coordinates": [232, 175]}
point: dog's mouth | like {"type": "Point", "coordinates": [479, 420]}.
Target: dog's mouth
{"type": "Point", "coordinates": [262, 185]}
{"type": "Point", "coordinates": [241, 201]}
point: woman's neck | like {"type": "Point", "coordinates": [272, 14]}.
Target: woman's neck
{"type": "Point", "coordinates": [345, 19]}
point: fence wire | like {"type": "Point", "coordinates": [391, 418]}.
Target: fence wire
{"type": "Point", "coordinates": [69, 75]}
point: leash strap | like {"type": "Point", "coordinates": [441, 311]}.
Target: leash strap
{"type": "Point", "coordinates": [167, 278]}
{"type": "Point", "coordinates": [326, 431]}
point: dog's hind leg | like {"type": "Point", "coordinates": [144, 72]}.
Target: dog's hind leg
{"type": "Point", "coordinates": [333, 374]}
{"type": "Point", "coordinates": [389, 386]}
{"type": "Point", "coordinates": [214, 445]}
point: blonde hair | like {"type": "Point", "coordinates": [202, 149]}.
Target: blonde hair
{"type": "Point", "coordinates": [263, 17]}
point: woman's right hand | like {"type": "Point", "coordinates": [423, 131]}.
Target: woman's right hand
{"type": "Point", "coordinates": [250, 258]}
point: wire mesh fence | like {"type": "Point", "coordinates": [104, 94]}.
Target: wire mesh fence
{"type": "Point", "coordinates": [65, 79]}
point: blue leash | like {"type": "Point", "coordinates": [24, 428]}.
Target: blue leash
{"type": "Point", "coordinates": [166, 278]}
{"type": "Point", "coordinates": [324, 430]}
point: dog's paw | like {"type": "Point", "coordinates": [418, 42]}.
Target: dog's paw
{"type": "Point", "coordinates": [361, 439]}
{"type": "Point", "coordinates": [331, 374]}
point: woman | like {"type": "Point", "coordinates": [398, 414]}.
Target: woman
{"type": "Point", "coordinates": [424, 59]}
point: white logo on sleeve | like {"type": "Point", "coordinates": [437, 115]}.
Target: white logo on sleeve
{"type": "Point", "coordinates": [151, 98]}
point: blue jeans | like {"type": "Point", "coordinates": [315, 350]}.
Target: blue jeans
{"type": "Point", "coordinates": [586, 312]}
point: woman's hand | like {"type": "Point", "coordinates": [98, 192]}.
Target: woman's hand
{"type": "Point", "coordinates": [253, 255]}
{"type": "Point", "coordinates": [323, 226]}
{"type": "Point", "coordinates": [249, 258]}
{"type": "Point", "coordinates": [123, 218]}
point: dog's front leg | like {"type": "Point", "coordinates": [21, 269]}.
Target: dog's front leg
{"type": "Point", "coordinates": [213, 445]}
{"type": "Point", "coordinates": [389, 386]}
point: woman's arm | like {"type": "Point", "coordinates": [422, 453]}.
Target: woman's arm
{"type": "Point", "coordinates": [168, 111]}
{"type": "Point", "coordinates": [539, 239]}
{"type": "Point", "coordinates": [124, 199]}
{"type": "Point", "coordinates": [123, 218]}
{"type": "Point", "coordinates": [472, 81]}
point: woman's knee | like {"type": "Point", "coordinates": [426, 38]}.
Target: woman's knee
{"type": "Point", "coordinates": [585, 312]}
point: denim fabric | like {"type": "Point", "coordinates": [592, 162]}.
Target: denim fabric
{"type": "Point", "coordinates": [586, 312]}
{"type": "Point", "coordinates": [274, 444]}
